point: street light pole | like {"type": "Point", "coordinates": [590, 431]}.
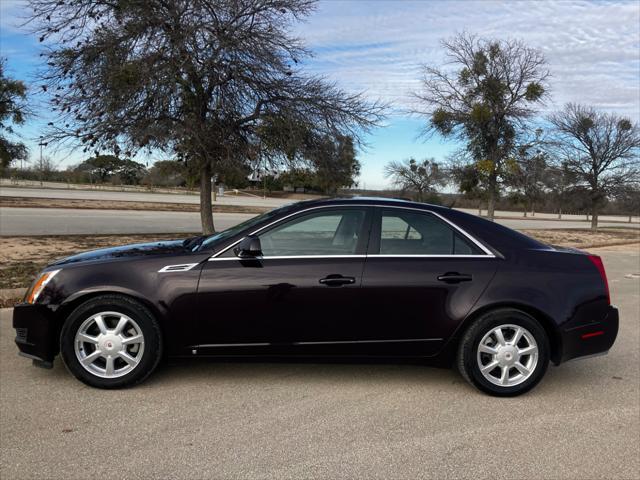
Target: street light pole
{"type": "Point", "coordinates": [41, 164]}
{"type": "Point", "coordinates": [264, 179]}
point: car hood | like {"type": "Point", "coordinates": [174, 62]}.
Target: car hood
{"type": "Point", "coordinates": [127, 251]}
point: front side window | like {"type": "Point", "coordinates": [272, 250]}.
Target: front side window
{"type": "Point", "coordinates": [217, 238]}
{"type": "Point", "coordinates": [415, 233]}
{"type": "Point", "coordinates": [331, 232]}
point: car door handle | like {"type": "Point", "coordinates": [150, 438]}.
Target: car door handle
{"type": "Point", "coordinates": [337, 280]}
{"type": "Point", "coordinates": [454, 277]}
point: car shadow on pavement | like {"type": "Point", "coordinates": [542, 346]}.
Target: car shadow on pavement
{"type": "Point", "coordinates": [260, 373]}
{"type": "Point", "coordinates": [310, 371]}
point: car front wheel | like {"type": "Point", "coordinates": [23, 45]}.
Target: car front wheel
{"type": "Point", "coordinates": [504, 353]}
{"type": "Point", "coordinates": [111, 341]}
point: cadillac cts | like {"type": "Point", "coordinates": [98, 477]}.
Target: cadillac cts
{"type": "Point", "coordinates": [367, 277]}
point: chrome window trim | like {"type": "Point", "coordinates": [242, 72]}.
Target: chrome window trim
{"type": "Point", "coordinates": [419, 255]}
{"type": "Point", "coordinates": [489, 253]}
{"type": "Point", "coordinates": [299, 257]}
{"type": "Point", "coordinates": [286, 257]}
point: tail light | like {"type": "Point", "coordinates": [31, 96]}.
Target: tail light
{"type": "Point", "coordinates": [597, 261]}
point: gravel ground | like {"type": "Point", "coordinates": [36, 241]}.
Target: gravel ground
{"type": "Point", "coordinates": [203, 419]}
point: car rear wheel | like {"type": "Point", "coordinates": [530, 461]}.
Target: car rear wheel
{"type": "Point", "coordinates": [111, 341]}
{"type": "Point", "coordinates": [504, 353]}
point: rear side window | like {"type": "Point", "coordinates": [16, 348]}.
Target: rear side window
{"type": "Point", "coordinates": [415, 233]}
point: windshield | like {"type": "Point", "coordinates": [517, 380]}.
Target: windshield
{"type": "Point", "coordinates": [210, 241]}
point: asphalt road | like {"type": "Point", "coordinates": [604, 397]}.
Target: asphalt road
{"type": "Point", "coordinates": [263, 420]}
{"type": "Point", "coordinates": [60, 221]}
{"type": "Point", "coordinates": [228, 199]}
{"type": "Point", "coordinates": [53, 190]}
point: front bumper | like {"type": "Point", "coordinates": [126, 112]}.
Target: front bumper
{"type": "Point", "coordinates": [590, 339]}
{"type": "Point", "coordinates": [36, 333]}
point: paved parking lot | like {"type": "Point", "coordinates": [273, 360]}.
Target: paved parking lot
{"type": "Point", "coordinates": [266, 420]}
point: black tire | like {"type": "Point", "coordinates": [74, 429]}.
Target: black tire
{"type": "Point", "coordinates": [467, 358]}
{"type": "Point", "coordinates": [134, 310]}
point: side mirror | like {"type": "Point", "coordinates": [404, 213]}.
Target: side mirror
{"type": "Point", "coordinates": [249, 247]}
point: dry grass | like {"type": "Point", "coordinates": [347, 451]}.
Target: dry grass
{"type": "Point", "coordinates": [24, 257]}
{"type": "Point", "coordinates": [584, 238]}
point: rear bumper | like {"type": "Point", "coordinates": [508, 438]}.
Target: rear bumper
{"type": "Point", "coordinates": [590, 339]}
{"type": "Point", "coordinates": [36, 333]}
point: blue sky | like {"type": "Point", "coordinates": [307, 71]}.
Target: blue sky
{"type": "Point", "coordinates": [592, 48]}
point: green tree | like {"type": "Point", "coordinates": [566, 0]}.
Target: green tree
{"type": "Point", "coordinates": [298, 177]}
{"type": "Point", "coordinates": [103, 168]}
{"type": "Point", "coordinates": [325, 164]}
{"type": "Point", "coordinates": [419, 177]}
{"type": "Point", "coordinates": [468, 179]}
{"type": "Point", "coordinates": [334, 164]}
{"type": "Point", "coordinates": [166, 173]}
{"type": "Point", "coordinates": [130, 172]}
{"type": "Point", "coordinates": [197, 78]}
{"type": "Point", "coordinates": [100, 167]}
{"type": "Point", "coordinates": [600, 149]}
{"type": "Point", "coordinates": [13, 110]}
{"type": "Point", "coordinates": [484, 101]}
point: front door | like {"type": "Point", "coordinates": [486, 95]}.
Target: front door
{"type": "Point", "coordinates": [300, 294]}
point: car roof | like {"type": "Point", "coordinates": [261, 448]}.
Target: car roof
{"type": "Point", "coordinates": [395, 202]}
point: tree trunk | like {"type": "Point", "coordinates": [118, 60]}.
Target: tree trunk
{"type": "Point", "coordinates": [493, 193]}
{"type": "Point", "coordinates": [206, 213]}
{"type": "Point", "coordinates": [491, 205]}
{"type": "Point", "coordinates": [559, 214]}
{"type": "Point", "coordinates": [629, 218]}
{"type": "Point", "coordinates": [594, 219]}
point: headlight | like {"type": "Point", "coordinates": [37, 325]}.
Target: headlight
{"type": "Point", "coordinates": [38, 286]}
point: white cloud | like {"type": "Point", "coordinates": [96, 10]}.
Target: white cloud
{"type": "Point", "coordinates": [592, 48]}
{"type": "Point", "coordinates": [12, 14]}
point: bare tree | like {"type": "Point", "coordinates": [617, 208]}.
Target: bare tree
{"type": "Point", "coordinates": [526, 172]}
{"type": "Point", "coordinates": [410, 175]}
{"type": "Point", "coordinates": [601, 149]}
{"type": "Point", "coordinates": [198, 78]}
{"type": "Point", "coordinates": [560, 182]}
{"type": "Point", "coordinates": [628, 200]}
{"type": "Point", "coordinates": [484, 96]}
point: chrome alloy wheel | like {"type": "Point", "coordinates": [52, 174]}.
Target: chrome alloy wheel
{"type": "Point", "coordinates": [109, 344]}
{"type": "Point", "coordinates": [507, 355]}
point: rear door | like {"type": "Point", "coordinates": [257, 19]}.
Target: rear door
{"type": "Point", "coordinates": [421, 277]}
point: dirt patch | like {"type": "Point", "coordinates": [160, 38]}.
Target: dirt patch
{"type": "Point", "coordinates": [24, 257]}
{"type": "Point", "coordinates": [84, 204]}
{"type": "Point", "coordinates": [626, 238]}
